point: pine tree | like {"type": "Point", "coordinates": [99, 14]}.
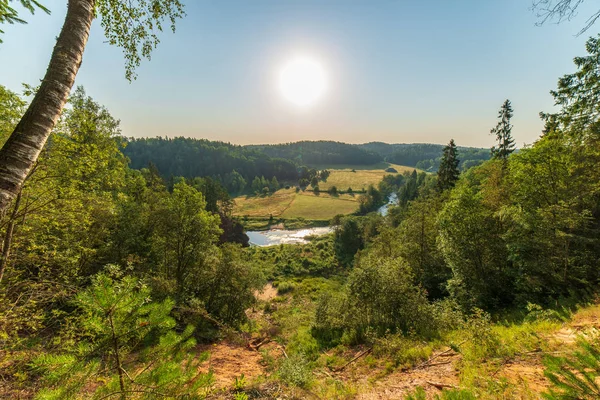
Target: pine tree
{"type": "Point", "coordinates": [574, 376]}
{"type": "Point", "coordinates": [448, 171]}
{"type": "Point", "coordinates": [274, 185]}
{"type": "Point", "coordinates": [257, 185]}
{"type": "Point", "coordinates": [506, 144]}
{"type": "Point", "coordinates": [128, 346]}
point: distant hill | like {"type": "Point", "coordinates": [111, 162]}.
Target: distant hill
{"type": "Point", "coordinates": [199, 157]}
{"type": "Point", "coordinates": [320, 153]}
{"type": "Point", "coordinates": [425, 156]}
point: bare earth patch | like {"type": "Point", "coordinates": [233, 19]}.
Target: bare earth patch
{"type": "Point", "coordinates": [440, 373]}
{"type": "Point", "coordinates": [525, 372]}
{"type": "Point", "coordinates": [268, 292]}
{"type": "Point", "coordinates": [228, 361]}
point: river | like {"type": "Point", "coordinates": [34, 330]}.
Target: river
{"type": "Point", "coordinates": [298, 236]}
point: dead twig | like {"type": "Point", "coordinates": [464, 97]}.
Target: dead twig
{"type": "Point", "coordinates": [255, 347]}
{"type": "Point", "coordinates": [438, 363]}
{"type": "Point", "coordinates": [441, 386]}
{"type": "Point", "coordinates": [443, 353]}
{"type": "Point", "coordinates": [354, 359]}
{"type": "Point", "coordinates": [283, 351]}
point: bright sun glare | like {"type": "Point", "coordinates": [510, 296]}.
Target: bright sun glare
{"type": "Point", "coordinates": [302, 81]}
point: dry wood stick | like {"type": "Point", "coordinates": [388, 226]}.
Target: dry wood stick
{"type": "Point", "coordinates": [438, 355]}
{"type": "Point", "coordinates": [441, 386]}
{"type": "Point", "coordinates": [354, 359]}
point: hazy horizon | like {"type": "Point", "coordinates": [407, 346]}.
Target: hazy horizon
{"type": "Point", "coordinates": [302, 140]}
{"type": "Point", "coordinates": [397, 72]}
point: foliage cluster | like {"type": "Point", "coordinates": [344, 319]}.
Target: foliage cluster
{"type": "Point", "coordinates": [82, 209]}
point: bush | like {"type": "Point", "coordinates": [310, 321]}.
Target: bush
{"type": "Point", "coordinates": [285, 287]}
{"type": "Point", "coordinates": [304, 343]}
{"type": "Point", "coordinates": [379, 298]}
{"type": "Point", "coordinates": [296, 371]}
{"type": "Point", "coordinates": [537, 313]}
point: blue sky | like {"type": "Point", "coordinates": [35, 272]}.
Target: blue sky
{"type": "Point", "coordinates": [399, 71]}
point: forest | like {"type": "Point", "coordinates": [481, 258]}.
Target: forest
{"type": "Point", "coordinates": [425, 156]}
{"type": "Point", "coordinates": [124, 273]}
{"type": "Point", "coordinates": [235, 167]}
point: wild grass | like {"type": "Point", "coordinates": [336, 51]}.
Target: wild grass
{"type": "Point", "coordinates": [287, 204]}
{"type": "Point", "coordinates": [291, 204]}
{"type": "Point", "coordinates": [359, 179]}
{"type": "Point", "coordinates": [321, 207]}
{"type": "Point", "coordinates": [258, 206]}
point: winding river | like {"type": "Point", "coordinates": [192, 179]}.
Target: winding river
{"type": "Point", "coordinates": [298, 236]}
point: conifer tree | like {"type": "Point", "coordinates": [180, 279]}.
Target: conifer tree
{"type": "Point", "coordinates": [448, 171]}
{"type": "Point", "coordinates": [274, 184]}
{"type": "Point", "coordinates": [576, 375]}
{"type": "Point", "coordinates": [506, 144]}
{"type": "Point", "coordinates": [129, 347]}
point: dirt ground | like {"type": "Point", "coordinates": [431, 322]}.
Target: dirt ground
{"type": "Point", "coordinates": [269, 292]}
{"type": "Point", "coordinates": [441, 371]}
{"type": "Point", "coordinates": [229, 361]}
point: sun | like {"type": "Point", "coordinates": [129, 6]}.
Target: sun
{"type": "Point", "coordinates": [302, 81]}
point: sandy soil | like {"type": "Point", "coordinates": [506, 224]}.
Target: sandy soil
{"type": "Point", "coordinates": [269, 292]}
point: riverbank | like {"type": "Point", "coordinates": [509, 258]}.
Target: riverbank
{"type": "Point", "coordinates": [275, 237]}
{"type": "Point", "coordinates": [265, 224]}
{"type": "Point", "coordinates": [262, 232]}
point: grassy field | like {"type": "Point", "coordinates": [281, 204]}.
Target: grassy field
{"type": "Point", "coordinates": [286, 203]}
{"type": "Point", "coordinates": [321, 207]}
{"type": "Point", "coordinates": [289, 204]}
{"type": "Point", "coordinates": [274, 204]}
{"type": "Point", "coordinates": [360, 179]}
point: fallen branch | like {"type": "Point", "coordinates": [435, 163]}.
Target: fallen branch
{"type": "Point", "coordinates": [438, 363]}
{"type": "Point", "coordinates": [323, 373]}
{"type": "Point", "coordinates": [443, 353]}
{"type": "Point", "coordinates": [283, 351]}
{"type": "Point", "coordinates": [255, 347]}
{"type": "Point", "coordinates": [442, 386]}
{"type": "Point", "coordinates": [354, 359]}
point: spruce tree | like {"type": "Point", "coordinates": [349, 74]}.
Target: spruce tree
{"type": "Point", "coordinates": [448, 171]}
{"type": "Point", "coordinates": [506, 144]}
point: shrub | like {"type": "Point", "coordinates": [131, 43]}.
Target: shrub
{"type": "Point", "coordinates": [296, 371]}
{"type": "Point", "coordinates": [379, 298]}
{"type": "Point", "coordinates": [285, 287]}
{"type": "Point", "coordinates": [304, 343]}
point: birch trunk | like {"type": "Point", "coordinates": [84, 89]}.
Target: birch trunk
{"type": "Point", "coordinates": [21, 150]}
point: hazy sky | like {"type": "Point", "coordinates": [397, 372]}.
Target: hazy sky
{"type": "Point", "coordinates": [399, 71]}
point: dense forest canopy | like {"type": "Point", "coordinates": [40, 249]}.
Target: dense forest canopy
{"type": "Point", "coordinates": [425, 156]}
{"type": "Point", "coordinates": [320, 153]}
{"type": "Point", "coordinates": [200, 157]}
